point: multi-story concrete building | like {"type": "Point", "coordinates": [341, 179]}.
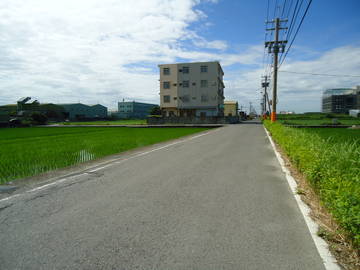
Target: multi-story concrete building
{"type": "Point", "coordinates": [192, 89]}
{"type": "Point", "coordinates": [341, 100]}
{"type": "Point", "coordinates": [132, 109]}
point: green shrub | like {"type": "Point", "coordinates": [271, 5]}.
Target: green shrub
{"type": "Point", "coordinates": [38, 118]}
{"type": "Point", "coordinates": [330, 160]}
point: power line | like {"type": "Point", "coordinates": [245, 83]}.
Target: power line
{"type": "Point", "coordinates": [282, 13]}
{"type": "Point", "coordinates": [267, 61]}
{"type": "Point", "coordinates": [276, 7]}
{"type": "Point", "coordinates": [288, 13]}
{"type": "Point", "coordinates": [297, 31]}
{"type": "Point", "coordinates": [320, 74]}
{"type": "Point", "coordinates": [294, 18]}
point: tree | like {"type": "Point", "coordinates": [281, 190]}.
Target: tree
{"type": "Point", "coordinates": [38, 118]}
{"type": "Point", "coordinates": [52, 114]}
{"type": "Point", "coordinates": [155, 111]}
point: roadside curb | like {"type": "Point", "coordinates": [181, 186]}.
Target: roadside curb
{"type": "Point", "coordinates": [328, 259]}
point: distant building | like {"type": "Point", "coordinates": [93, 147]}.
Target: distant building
{"type": "Point", "coordinates": [132, 109]}
{"type": "Point", "coordinates": [192, 89]}
{"type": "Point", "coordinates": [231, 108]}
{"type": "Point", "coordinates": [341, 100]}
{"type": "Point", "coordinates": [78, 111]}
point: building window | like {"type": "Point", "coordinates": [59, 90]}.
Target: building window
{"type": "Point", "coordinates": [166, 85]}
{"type": "Point", "coordinates": [185, 69]}
{"type": "Point", "coordinates": [204, 98]}
{"type": "Point", "coordinates": [185, 84]}
{"type": "Point", "coordinates": [166, 99]}
{"type": "Point", "coordinates": [204, 83]}
{"type": "Point", "coordinates": [166, 71]}
{"type": "Point", "coordinates": [203, 68]}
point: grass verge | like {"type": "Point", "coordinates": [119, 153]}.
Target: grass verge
{"type": "Point", "coordinates": [27, 152]}
{"type": "Point", "coordinates": [330, 161]}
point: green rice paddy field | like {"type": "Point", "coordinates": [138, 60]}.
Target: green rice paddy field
{"type": "Point", "coordinates": [320, 122]}
{"type": "Point", "coordinates": [114, 122]}
{"type": "Point", "coordinates": [330, 160]}
{"type": "Point", "coordinates": [27, 152]}
{"type": "Point", "coordinates": [309, 119]}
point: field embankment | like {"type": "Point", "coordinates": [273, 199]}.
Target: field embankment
{"type": "Point", "coordinates": [330, 160]}
{"type": "Point", "coordinates": [30, 151]}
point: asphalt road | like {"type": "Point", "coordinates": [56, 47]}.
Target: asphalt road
{"type": "Point", "coordinates": [217, 201]}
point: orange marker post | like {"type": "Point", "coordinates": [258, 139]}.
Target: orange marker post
{"type": "Point", "coordinates": [273, 117]}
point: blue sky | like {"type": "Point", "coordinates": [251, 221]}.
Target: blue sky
{"type": "Point", "coordinates": [101, 51]}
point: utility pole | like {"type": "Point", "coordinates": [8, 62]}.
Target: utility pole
{"type": "Point", "coordinates": [265, 85]}
{"type": "Point", "coordinates": [275, 47]}
{"type": "Point", "coordinates": [250, 108]}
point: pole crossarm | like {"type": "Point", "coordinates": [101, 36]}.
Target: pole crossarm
{"type": "Point", "coordinates": [274, 21]}
{"type": "Point", "coordinates": [272, 43]}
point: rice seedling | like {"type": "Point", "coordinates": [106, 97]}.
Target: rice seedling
{"type": "Point", "coordinates": [30, 151]}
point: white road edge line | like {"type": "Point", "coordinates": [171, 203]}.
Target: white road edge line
{"type": "Point", "coordinates": [108, 164]}
{"type": "Point", "coordinates": [329, 260]}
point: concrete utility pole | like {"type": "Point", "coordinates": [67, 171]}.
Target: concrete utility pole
{"type": "Point", "coordinates": [275, 47]}
{"type": "Point", "coordinates": [265, 85]}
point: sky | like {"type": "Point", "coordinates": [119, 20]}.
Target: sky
{"type": "Point", "coordinates": [104, 51]}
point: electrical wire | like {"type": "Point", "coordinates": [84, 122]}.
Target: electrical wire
{"type": "Point", "coordinates": [321, 74]}
{"type": "Point", "coordinates": [297, 31]}
{"type": "Point", "coordinates": [292, 23]}
{"type": "Point", "coordinates": [282, 13]}
{"type": "Point", "coordinates": [267, 60]}
{"type": "Point", "coordinates": [290, 6]}
{"type": "Point", "coordinates": [294, 18]}
{"type": "Point", "coordinates": [275, 9]}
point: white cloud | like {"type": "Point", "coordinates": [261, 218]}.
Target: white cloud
{"type": "Point", "coordinates": [300, 92]}
{"type": "Point", "coordinates": [69, 50]}
{"type": "Point", "coordinates": [106, 50]}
